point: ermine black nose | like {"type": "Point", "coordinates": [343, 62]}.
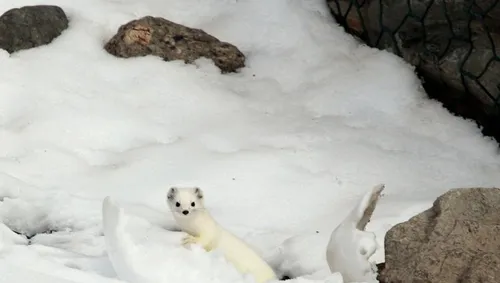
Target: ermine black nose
{"type": "Point", "coordinates": [185, 212]}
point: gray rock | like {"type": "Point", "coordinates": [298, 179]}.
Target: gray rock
{"type": "Point", "coordinates": [171, 41]}
{"type": "Point", "coordinates": [31, 26]}
{"type": "Point", "coordinates": [457, 240]}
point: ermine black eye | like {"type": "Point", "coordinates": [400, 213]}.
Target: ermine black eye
{"type": "Point", "coordinates": [192, 204]}
{"type": "Point", "coordinates": [177, 204]}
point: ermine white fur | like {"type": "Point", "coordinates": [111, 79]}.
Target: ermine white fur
{"type": "Point", "coordinates": [187, 207]}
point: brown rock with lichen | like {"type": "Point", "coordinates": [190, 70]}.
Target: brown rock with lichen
{"type": "Point", "coordinates": [171, 41]}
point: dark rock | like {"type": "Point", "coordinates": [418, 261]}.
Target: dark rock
{"type": "Point", "coordinates": [452, 43]}
{"type": "Point", "coordinates": [380, 268]}
{"type": "Point", "coordinates": [285, 278]}
{"type": "Point", "coordinates": [457, 240]}
{"type": "Point", "coordinates": [31, 26]}
{"type": "Point", "coordinates": [171, 41]}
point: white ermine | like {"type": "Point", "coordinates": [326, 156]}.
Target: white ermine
{"type": "Point", "coordinates": [187, 207]}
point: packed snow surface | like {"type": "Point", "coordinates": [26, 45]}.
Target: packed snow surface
{"type": "Point", "coordinates": [283, 150]}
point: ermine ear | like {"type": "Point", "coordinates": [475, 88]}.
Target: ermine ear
{"type": "Point", "coordinates": [171, 193]}
{"type": "Point", "coordinates": [198, 192]}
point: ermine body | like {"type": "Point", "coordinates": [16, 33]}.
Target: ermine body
{"type": "Point", "coordinates": [188, 209]}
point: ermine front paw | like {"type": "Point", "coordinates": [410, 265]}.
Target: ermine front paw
{"type": "Point", "coordinates": [188, 240]}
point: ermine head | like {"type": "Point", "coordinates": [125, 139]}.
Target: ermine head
{"type": "Point", "coordinates": [184, 201]}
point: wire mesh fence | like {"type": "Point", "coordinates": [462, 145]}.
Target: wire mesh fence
{"type": "Point", "coordinates": [455, 45]}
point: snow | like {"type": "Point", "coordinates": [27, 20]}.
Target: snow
{"type": "Point", "coordinates": [283, 150]}
{"type": "Point", "coordinates": [350, 247]}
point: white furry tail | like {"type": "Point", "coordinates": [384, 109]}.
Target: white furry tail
{"type": "Point", "coordinates": [350, 247]}
{"type": "Point", "coordinates": [119, 247]}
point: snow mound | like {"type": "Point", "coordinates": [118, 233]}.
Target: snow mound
{"type": "Point", "coordinates": [132, 244]}
{"type": "Point", "coordinates": [31, 214]}
{"type": "Point", "coordinates": [11, 273]}
{"type": "Point", "coordinates": [350, 246]}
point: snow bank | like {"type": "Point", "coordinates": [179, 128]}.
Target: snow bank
{"type": "Point", "coordinates": [350, 248]}
{"type": "Point", "coordinates": [283, 149]}
{"type": "Point", "coordinates": [132, 244]}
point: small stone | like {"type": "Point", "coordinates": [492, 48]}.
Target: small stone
{"type": "Point", "coordinates": [171, 41]}
{"type": "Point", "coordinates": [31, 26]}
